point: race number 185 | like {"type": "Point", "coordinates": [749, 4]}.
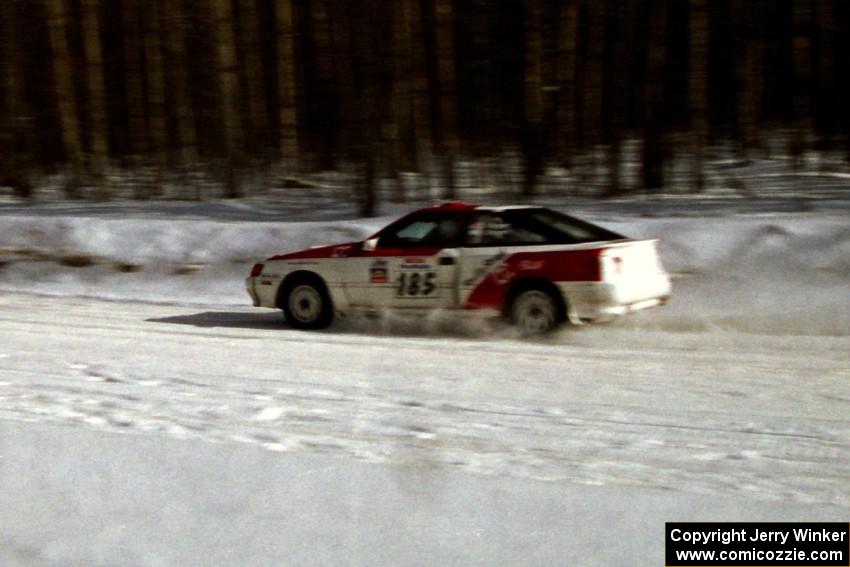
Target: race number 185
{"type": "Point", "coordinates": [415, 284]}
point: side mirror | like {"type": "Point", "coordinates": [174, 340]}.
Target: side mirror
{"type": "Point", "coordinates": [370, 245]}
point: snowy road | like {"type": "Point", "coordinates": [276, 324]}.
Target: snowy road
{"type": "Point", "coordinates": [765, 418]}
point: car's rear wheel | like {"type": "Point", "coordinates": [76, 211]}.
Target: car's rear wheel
{"type": "Point", "coordinates": [306, 305]}
{"type": "Point", "coordinates": [535, 311]}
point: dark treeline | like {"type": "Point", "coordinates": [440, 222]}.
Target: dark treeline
{"type": "Point", "coordinates": [166, 87]}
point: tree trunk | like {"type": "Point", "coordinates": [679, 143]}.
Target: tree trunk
{"type": "Point", "coordinates": [57, 13]}
{"type": "Point", "coordinates": [593, 84]}
{"type": "Point", "coordinates": [422, 134]}
{"type": "Point", "coordinates": [532, 150]}
{"type": "Point", "coordinates": [749, 70]}
{"type": "Point", "coordinates": [229, 90]}
{"type": "Point", "coordinates": [616, 89]}
{"type": "Point", "coordinates": [155, 79]}
{"type": "Point", "coordinates": [368, 184]}
{"type": "Point", "coordinates": [287, 77]}
{"type": "Point", "coordinates": [614, 155]}
{"type": "Point", "coordinates": [134, 84]}
{"type": "Point", "coordinates": [568, 41]}
{"type": "Point", "coordinates": [403, 94]}
{"type": "Point", "coordinates": [184, 115]}
{"type": "Point", "coordinates": [827, 71]}
{"type": "Point", "coordinates": [328, 128]}
{"type": "Point", "coordinates": [802, 58]}
{"type": "Point", "coordinates": [698, 90]}
{"type": "Point", "coordinates": [12, 155]}
{"type": "Point", "coordinates": [446, 136]}
{"type": "Point", "coordinates": [652, 155]}
{"type": "Point", "coordinates": [95, 89]}
{"type": "Point", "coordinates": [371, 103]}
{"type": "Point", "coordinates": [256, 126]}
{"type": "Point", "coordinates": [8, 80]}
{"type": "Point", "coordinates": [343, 60]}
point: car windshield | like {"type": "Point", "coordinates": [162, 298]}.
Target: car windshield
{"type": "Point", "coordinates": [558, 228]}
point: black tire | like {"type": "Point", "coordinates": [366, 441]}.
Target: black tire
{"type": "Point", "coordinates": [536, 310]}
{"type": "Point", "coordinates": [306, 303]}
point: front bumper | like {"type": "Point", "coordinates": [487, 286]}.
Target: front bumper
{"type": "Point", "coordinates": [250, 284]}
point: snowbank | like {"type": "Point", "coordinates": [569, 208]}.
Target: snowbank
{"type": "Point", "coordinates": [772, 274]}
{"type": "Point", "coordinates": [777, 273]}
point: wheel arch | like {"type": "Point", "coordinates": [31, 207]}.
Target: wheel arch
{"type": "Point", "coordinates": [299, 276]}
{"type": "Point", "coordinates": [522, 284]}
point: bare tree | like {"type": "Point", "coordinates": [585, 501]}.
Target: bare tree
{"type": "Point", "coordinates": [257, 122]}
{"type": "Point", "coordinates": [801, 46]}
{"type": "Point", "coordinates": [370, 101]}
{"type": "Point", "coordinates": [358, 116]}
{"type": "Point", "coordinates": [748, 75]}
{"type": "Point", "coordinates": [532, 150]}
{"type": "Point", "coordinates": [652, 158]}
{"type": "Point", "coordinates": [57, 12]}
{"type": "Point", "coordinates": [445, 134]}
{"type": "Point", "coordinates": [134, 75]}
{"type": "Point", "coordinates": [184, 114]}
{"type": "Point", "coordinates": [423, 136]}
{"type": "Point", "coordinates": [826, 70]}
{"type": "Point", "coordinates": [157, 127]}
{"type": "Point", "coordinates": [568, 42]}
{"type": "Point", "coordinates": [96, 94]}
{"type": "Point", "coordinates": [698, 89]}
{"type": "Point", "coordinates": [12, 156]}
{"type": "Point", "coordinates": [327, 88]}
{"type": "Point", "coordinates": [594, 75]}
{"type": "Point", "coordinates": [620, 59]}
{"type": "Point", "coordinates": [287, 85]}
{"type": "Point", "coordinates": [403, 123]}
{"type": "Point", "coordinates": [228, 88]}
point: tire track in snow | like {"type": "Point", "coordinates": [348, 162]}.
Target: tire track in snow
{"type": "Point", "coordinates": [657, 414]}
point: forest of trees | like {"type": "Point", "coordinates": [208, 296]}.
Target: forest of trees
{"type": "Point", "coordinates": [162, 88]}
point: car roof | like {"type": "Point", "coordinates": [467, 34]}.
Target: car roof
{"type": "Point", "coordinates": [460, 206]}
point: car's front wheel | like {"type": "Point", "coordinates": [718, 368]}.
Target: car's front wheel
{"type": "Point", "coordinates": [306, 305]}
{"type": "Point", "coordinates": [535, 312]}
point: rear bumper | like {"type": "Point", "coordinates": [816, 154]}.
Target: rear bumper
{"type": "Point", "coordinates": [601, 301]}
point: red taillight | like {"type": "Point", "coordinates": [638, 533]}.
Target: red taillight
{"type": "Point", "coordinates": [581, 266]}
{"type": "Point", "coordinates": [594, 265]}
{"type": "Point", "coordinates": [256, 270]}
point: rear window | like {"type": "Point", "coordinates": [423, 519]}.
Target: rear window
{"type": "Point", "coordinates": [518, 227]}
{"type": "Point", "coordinates": [569, 229]}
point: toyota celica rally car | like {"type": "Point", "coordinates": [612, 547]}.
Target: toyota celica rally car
{"type": "Point", "coordinates": [535, 266]}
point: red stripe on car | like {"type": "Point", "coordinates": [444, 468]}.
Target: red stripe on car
{"type": "Point", "coordinates": [555, 266]}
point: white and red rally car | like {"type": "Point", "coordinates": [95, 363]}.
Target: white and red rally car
{"type": "Point", "coordinates": [534, 265]}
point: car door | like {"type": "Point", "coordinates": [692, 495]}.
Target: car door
{"type": "Point", "coordinates": [481, 256]}
{"type": "Point", "coordinates": [413, 264]}
{"type": "Point", "coordinates": [491, 240]}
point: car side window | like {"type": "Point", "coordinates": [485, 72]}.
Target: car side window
{"type": "Point", "coordinates": [492, 229]}
{"type": "Point", "coordinates": [428, 230]}
{"type": "Point", "coordinates": [416, 231]}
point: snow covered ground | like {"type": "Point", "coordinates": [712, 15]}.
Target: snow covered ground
{"type": "Point", "coordinates": [149, 417]}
